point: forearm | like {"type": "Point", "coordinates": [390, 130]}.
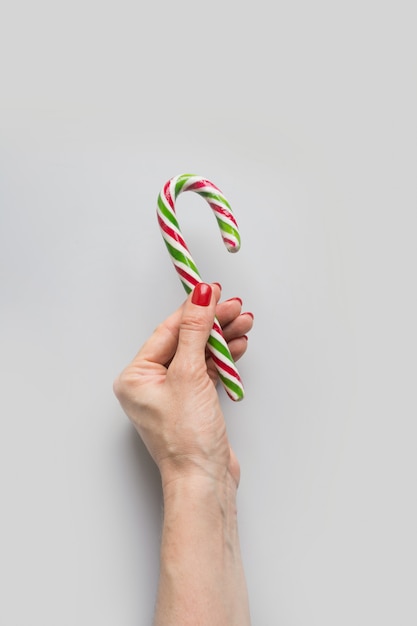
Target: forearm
{"type": "Point", "coordinates": [202, 580]}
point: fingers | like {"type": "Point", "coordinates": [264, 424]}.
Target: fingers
{"type": "Point", "coordinates": [238, 347]}
{"type": "Point", "coordinates": [235, 326]}
{"type": "Point", "coordinates": [238, 327]}
{"type": "Point", "coordinates": [196, 322]}
{"type": "Point", "coordinates": [233, 322]}
{"type": "Point", "coordinates": [228, 310]}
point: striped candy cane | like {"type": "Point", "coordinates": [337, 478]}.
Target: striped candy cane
{"type": "Point", "coordinates": [186, 268]}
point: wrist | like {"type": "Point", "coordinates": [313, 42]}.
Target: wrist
{"type": "Point", "coordinates": [225, 469]}
{"type": "Point", "coordinates": [200, 493]}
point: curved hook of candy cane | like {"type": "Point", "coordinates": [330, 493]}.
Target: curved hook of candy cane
{"type": "Point", "coordinates": [187, 269]}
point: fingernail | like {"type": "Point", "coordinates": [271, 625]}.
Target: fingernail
{"type": "Point", "coordinates": [238, 299]}
{"type": "Point", "coordinates": [219, 285]}
{"type": "Point", "coordinates": [248, 313]}
{"type": "Point", "coordinates": [201, 294]}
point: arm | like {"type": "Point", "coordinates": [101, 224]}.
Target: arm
{"type": "Point", "coordinates": [202, 579]}
{"type": "Point", "coordinates": [168, 391]}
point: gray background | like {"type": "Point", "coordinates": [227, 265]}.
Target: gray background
{"type": "Point", "coordinates": [304, 115]}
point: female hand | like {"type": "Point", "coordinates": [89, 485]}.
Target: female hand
{"type": "Point", "coordinates": [168, 390]}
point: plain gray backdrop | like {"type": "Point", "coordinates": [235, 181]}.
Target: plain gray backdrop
{"type": "Point", "coordinates": [304, 114]}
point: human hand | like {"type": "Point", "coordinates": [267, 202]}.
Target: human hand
{"type": "Point", "coordinates": [168, 390]}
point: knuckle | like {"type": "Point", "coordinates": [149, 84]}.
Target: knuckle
{"type": "Point", "coordinates": [192, 323]}
{"type": "Point", "coordinates": [184, 369]}
{"type": "Point", "coordinates": [123, 384]}
{"type": "Point", "coordinates": [117, 386]}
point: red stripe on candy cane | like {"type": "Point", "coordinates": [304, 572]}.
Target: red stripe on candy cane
{"type": "Point", "coordinates": [224, 212]}
{"type": "Point", "coordinates": [167, 194]}
{"type": "Point", "coordinates": [223, 366]}
{"type": "Point", "coordinates": [217, 328]}
{"type": "Point", "coordinates": [187, 276]}
{"type": "Point", "coordinates": [200, 184]}
{"type": "Point", "coordinates": [171, 232]}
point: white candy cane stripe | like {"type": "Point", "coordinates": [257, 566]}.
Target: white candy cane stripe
{"type": "Point", "coordinates": [186, 268]}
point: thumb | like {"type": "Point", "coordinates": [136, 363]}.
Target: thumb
{"type": "Point", "coordinates": [196, 322]}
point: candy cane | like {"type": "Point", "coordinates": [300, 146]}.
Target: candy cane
{"type": "Point", "coordinates": [186, 268]}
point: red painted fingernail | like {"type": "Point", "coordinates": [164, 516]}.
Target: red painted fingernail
{"type": "Point", "coordinates": [238, 299]}
{"type": "Point", "coordinates": [201, 294]}
{"type": "Point", "coordinates": [248, 313]}
{"type": "Point", "coordinates": [219, 285]}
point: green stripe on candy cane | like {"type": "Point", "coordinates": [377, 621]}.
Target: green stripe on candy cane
{"type": "Point", "coordinates": [167, 213]}
{"type": "Point", "coordinates": [215, 196]}
{"type": "Point", "coordinates": [179, 256]}
{"type": "Point", "coordinates": [229, 384]}
{"type": "Point", "coordinates": [180, 183]}
{"type": "Point", "coordinates": [218, 345]}
{"type": "Point", "coordinates": [227, 228]}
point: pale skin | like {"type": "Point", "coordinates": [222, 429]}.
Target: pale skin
{"type": "Point", "coordinates": [169, 393]}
